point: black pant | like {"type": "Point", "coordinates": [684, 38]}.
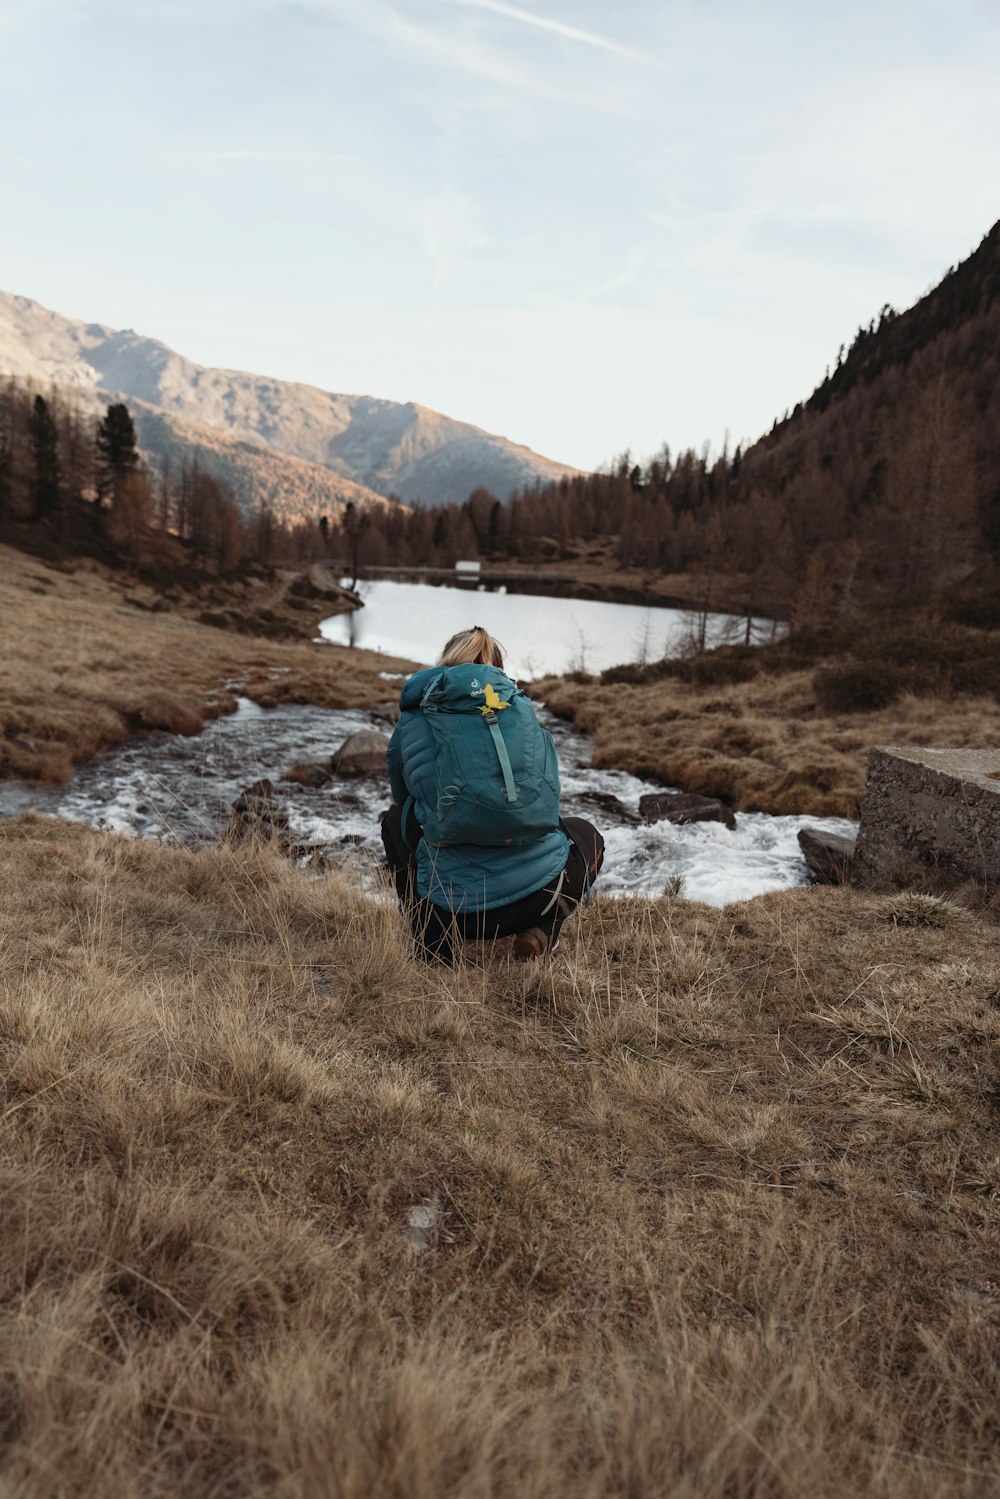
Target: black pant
{"type": "Point", "coordinates": [434, 926]}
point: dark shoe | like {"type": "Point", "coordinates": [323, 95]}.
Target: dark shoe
{"type": "Point", "coordinates": [533, 943]}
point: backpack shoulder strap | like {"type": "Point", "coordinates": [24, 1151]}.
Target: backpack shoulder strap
{"type": "Point", "coordinates": [493, 724]}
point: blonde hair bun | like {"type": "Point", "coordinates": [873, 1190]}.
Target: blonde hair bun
{"type": "Point", "coordinates": [472, 647]}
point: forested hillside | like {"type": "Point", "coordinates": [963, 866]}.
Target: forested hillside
{"type": "Point", "coordinates": [885, 482]}
{"type": "Point", "coordinates": [72, 483]}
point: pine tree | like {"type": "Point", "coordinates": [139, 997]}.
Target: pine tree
{"type": "Point", "coordinates": [266, 528]}
{"type": "Point", "coordinates": [117, 454]}
{"type": "Point", "coordinates": [45, 490]}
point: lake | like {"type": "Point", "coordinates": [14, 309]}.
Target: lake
{"type": "Point", "coordinates": [541, 635]}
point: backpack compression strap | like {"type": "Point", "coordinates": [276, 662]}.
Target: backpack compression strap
{"type": "Point", "coordinates": [493, 724]}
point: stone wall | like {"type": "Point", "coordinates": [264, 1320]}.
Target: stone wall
{"type": "Point", "coordinates": [940, 807]}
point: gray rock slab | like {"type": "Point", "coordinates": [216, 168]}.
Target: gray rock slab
{"type": "Point", "coordinates": [830, 856]}
{"type": "Point", "coordinates": [940, 807]}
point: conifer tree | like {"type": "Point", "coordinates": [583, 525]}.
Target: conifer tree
{"type": "Point", "coordinates": [45, 490]}
{"type": "Point", "coordinates": [117, 454]}
{"type": "Point", "coordinates": [266, 528]}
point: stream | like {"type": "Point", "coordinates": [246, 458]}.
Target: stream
{"type": "Point", "coordinates": [181, 789]}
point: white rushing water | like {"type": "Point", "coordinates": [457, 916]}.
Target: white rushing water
{"type": "Point", "coordinates": [181, 789]}
{"type": "Point", "coordinates": [541, 635]}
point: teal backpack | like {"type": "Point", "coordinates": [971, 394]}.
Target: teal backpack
{"type": "Point", "coordinates": [496, 775]}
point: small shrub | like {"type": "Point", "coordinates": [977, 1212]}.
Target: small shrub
{"type": "Point", "coordinates": [717, 668]}
{"type": "Point", "coordinates": [982, 613]}
{"type": "Point", "coordinates": [632, 674]}
{"type": "Point", "coordinates": [860, 687]}
{"type": "Point", "coordinates": [945, 661]}
{"type": "Point", "coordinates": [720, 668]}
{"type": "Point", "coordinates": [975, 602]}
{"type": "Point", "coordinates": [978, 673]}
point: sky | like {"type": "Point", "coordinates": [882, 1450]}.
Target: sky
{"type": "Point", "coordinates": [587, 227]}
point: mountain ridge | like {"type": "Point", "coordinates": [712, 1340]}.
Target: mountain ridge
{"type": "Point", "coordinates": [396, 449]}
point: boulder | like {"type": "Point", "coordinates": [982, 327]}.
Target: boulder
{"type": "Point", "coordinates": [257, 815]}
{"type": "Point", "coordinates": [830, 856]}
{"type": "Point", "coordinates": [386, 712]}
{"type": "Point", "coordinates": [313, 773]}
{"type": "Point", "coordinates": [361, 754]}
{"type": "Point", "coordinates": [936, 807]}
{"type": "Point", "coordinates": [605, 802]}
{"type": "Point", "coordinates": [683, 807]}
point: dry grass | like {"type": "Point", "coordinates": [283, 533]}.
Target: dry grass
{"type": "Point", "coordinates": [762, 745]}
{"type": "Point", "coordinates": [85, 662]}
{"type": "Point", "coordinates": [713, 1198]}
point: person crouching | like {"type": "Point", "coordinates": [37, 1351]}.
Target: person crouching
{"type": "Point", "coordinates": [474, 837]}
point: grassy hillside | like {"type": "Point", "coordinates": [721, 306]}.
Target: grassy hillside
{"type": "Point", "coordinates": [709, 1205]}
{"type": "Point", "coordinates": [90, 656]}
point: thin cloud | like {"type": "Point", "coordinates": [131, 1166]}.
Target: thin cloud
{"type": "Point", "coordinates": [378, 19]}
{"type": "Point", "coordinates": [252, 154]}
{"type": "Point", "coordinates": [572, 33]}
{"type": "Point", "coordinates": [622, 278]}
{"type": "Point", "coordinates": [513, 75]}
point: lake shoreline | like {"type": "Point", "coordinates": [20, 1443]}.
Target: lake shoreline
{"type": "Point", "coordinates": [541, 635]}
{"type": "Point", "coordinates": [723, 595]}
